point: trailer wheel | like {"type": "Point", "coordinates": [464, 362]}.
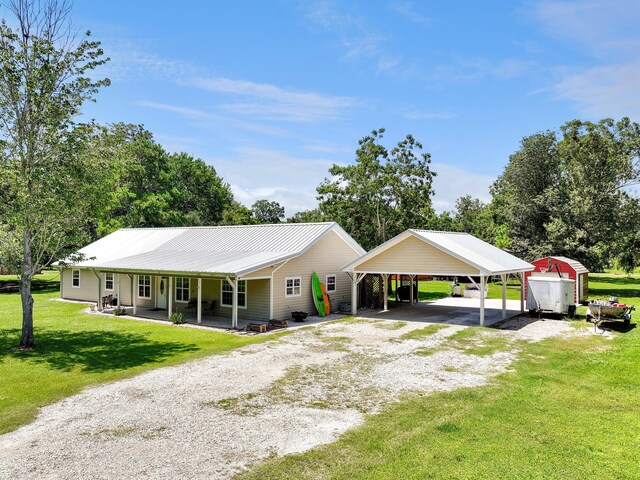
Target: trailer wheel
{"type": "Point", "coordinates": [589, 318]}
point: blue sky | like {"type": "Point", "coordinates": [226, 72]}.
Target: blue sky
{"type": "Point", "coordinates": [273, 93]}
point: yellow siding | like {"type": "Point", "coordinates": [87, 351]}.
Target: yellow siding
{"type": "Point", "coordinates": [258, 293]}
{"type": "Point", "coordinates": [265, 272]}
{"type": "Point", "coordinates": [327, 256]}
{"type": "Point", "coordinates": [412, 255]}
{"type": "Point", "coordinates": [88, 290]}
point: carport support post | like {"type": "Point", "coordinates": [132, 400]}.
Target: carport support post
{"type": "Point", "coordinates": [483, 282]}
{"type": "Point", "coordinates": [354, 294]}
{"type": "Point", "coordinates": [411, 289]}
{"type": "Point", "coordinates": [503, 278]}
{"type": "Point", "coordinates": [199, 300]}
{"type": "Point", "coordinates": [521, 275]}
{"type": "Point", "coordinates": [385, 278]}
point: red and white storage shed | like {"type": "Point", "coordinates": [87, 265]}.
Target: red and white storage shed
{"type": "Point", "coordinates": [569, 268]}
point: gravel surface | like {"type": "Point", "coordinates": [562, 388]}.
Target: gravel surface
{"type": "Point", "coordinates": [215, 417]}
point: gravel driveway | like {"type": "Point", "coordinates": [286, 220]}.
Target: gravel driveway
{"type": "Point", "coordinates": [215, 417]}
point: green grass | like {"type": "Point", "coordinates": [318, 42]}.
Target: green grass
{"type": "Point", "coordinates": [479, 341]}
{"type": "Point", "coordinates": [435, 289]}
{"type": "Point", "coordinates": [75, 350]}
{"type": "Point", "coordinates": [421, 333]}
{"type": "Point", "coordinates": [567, 409]}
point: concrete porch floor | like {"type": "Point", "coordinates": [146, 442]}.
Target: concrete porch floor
{"type": "Point", "coordinates": [453, 311]}
{"type": "Point", "coordinates": [214, 321]}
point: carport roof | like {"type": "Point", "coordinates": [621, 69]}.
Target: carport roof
{"type": "Point", "coordinates": [489, 260]}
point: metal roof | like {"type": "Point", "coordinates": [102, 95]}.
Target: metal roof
{"type": "Point", "coordinates": [489, 260]}
{"type": "Point", "coordinates": [224, 250]}
{"type": "Point", "coordinates": [576, 265]}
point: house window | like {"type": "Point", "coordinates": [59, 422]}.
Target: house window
{"type": "Point", "coordinates": [227, 294]}
{"type": "Point", "coordinates": [182, 289]}
{"type": "Point", "coordinates": [75, 278]}
{"type": "Point", "coordinates": [144, 286]}
{"type": "Point", "coordinates": [331, 283]}
{"type": "Point", "coordinates": [108, 281]}
{"type": "Point", "coordinates": [292, 286]}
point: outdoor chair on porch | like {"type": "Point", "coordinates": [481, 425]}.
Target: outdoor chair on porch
{"type": "Point", "coordinates": [107, 301]}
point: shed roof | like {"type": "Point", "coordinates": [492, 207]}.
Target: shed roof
{"type": "Point", "coordinates": [235, 250]}
{"type": "Point", "coordinates": [576, 265]}
{"type": "Point", "coordinates": [489, 260]}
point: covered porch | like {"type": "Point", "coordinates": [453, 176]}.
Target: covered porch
{"type": "Point", "coordinates": [222, 301]}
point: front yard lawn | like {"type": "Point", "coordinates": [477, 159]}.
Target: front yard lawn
{"type": "Point", "coordinates": [75, 350]}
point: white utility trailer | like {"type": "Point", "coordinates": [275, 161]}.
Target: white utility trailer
{"type": "Point", "coordinates": [552, 294]}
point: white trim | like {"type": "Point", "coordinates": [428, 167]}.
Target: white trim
{"type": "Point", "coordinates": [293, 287]}
{"type": "Point", "coordinates": [140, 277]}
{"type": "Point", "coordinates": [246, 288]}
{"type": "Point", "coordinates": [113, 281]}
{"type": "Point", "coordinates": [79, 282]}
{"type": "Point", "coordinates": [335, 282]}
{"type": "Point", "coordinates": [175, 290]}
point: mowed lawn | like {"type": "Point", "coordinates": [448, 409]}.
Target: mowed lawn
{"type": "Point", "coordinates": [435, 289]}
{"type": "Point", "coordinates": [568, 409]}
{"type": "Point", "coordinates": [75, 350]}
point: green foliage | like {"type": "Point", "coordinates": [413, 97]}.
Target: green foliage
{"type": "Point", "coordinates": [177, 318]}
{"type": "Point", "coordinates": [265, 211]}
{"type": "Point", "coordinates": [383, 193]}
{"type": "Point", "coordinates": [152, 188]}
{"type": "Point", "coordinates": [119, 311]}
{"type": "Point", "coordinates": [237, 214]}
{"type": "Point", "coordinates": [570, 195]}
{"type": "Point", "coordinates": [308, 216]}
{"type": "Point", "coordinates": [47, 173]}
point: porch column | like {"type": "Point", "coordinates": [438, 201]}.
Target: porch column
{"type": "Point", "coordinates": [385, 278]}
{"type": "Point", "coordinates": [411, 289]}
{"type": "Point", "coordinates": [483, 282]}
{"type": "Point", "coordinates": [522, 280]}
{"type": "Point", "coordinates": [504, 296]}
{"type": "Point", "coordinates": [118, 292]}
{"type": "Point", "coordinates": [170, 298]}
{"type": "Point", "coordinates": [99, 291]}
{"type": "Point", "coordinates": [134, 295]}
{"type": "Point", "coordinates": [199, 300]}
{"type": "Point", "coordinates": [234, 313]}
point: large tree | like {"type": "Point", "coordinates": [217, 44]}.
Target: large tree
{"type": "Point", "coordinates": [265, 211]}
{"type": "Point", "coordinates": [571, 194]}
{"type": "Point", "coordinates": [153, 188]}
{"type": "Point", "coordinates": [383, 193]}
{"type": "Point", "coordinates": [45, 77]}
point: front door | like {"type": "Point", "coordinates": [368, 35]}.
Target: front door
{"type": "Point", "coordinates": [161, 294]}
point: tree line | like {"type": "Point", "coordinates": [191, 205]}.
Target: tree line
{"type": "Point", "coordinates": [570, 192]}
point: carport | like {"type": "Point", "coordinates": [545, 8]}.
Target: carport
{"type": "Point", "coordinates": [445, 254]}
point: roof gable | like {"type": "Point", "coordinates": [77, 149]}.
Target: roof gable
{"type": "Point", "coordinates": [464, 247]}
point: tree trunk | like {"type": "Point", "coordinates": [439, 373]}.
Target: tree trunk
{"type": "Point", "coordinates": [27, 340]}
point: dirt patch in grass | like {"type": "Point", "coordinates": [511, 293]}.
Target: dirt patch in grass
{"type": "Point", "coordinates": [421, 333]}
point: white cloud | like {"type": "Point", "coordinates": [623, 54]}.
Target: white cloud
{"type": "Point", "coordinates": [275, 103]}
{"type": "Point", "coordinates": [605, 91]}
{"type": "Point", "coordinates": [256, 173]}
{"type": "Point", "coordinates": [205, 119]}
{"type": "Point", "coordinates": [472, 70]}
{"type": "Point", "coordinates": [453, 182]}
{"type": "Point", "coordinates": [608, 32]}
{"type": "Point", "coordinates": [407, 10]}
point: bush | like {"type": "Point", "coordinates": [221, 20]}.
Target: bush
{"type": "Point", "coordinates": [177, 318]}
{"type": "Point", "coordinates": [119, 311]}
